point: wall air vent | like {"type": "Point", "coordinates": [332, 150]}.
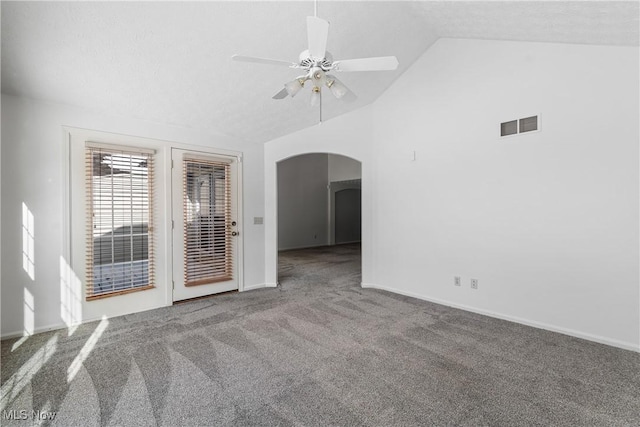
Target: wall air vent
{"type": "Point", "coordinates": [527, 124]}
{"type": "Point", "coordinates": [509, 128]}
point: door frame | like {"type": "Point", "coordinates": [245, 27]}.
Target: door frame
{"type": "Point", "coordinates": [272, 159]}
{"type": "Point", "coordinates": [205, 151]}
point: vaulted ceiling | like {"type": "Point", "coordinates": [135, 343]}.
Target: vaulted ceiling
{"type": "Point", "coordinates": [171, 61]}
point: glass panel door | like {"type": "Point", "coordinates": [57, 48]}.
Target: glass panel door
{"type": "Point", "coordinates": [204, 207]}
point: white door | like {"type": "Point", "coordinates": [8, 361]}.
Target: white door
{"type": "Point", "coordinates": [204, 211]}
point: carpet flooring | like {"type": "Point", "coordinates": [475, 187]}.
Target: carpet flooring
{"type": "Point", "coordinates": [316, 351]}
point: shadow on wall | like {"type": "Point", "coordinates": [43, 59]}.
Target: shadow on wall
{"type": "Point", "coordinates": [319, 200]}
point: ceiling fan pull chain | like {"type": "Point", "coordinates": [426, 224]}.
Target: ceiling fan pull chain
{"type": "Point", "coordinates": [320, 93]}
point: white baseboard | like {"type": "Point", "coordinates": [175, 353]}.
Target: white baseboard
{"type": "Point", "coordinates": [540, 325]}
{"type": "Point", "coordinates": [295, 248]}
{"type": "Point", "coordinates": [39, 330]}
{"type": "Point", "coordinates": [371, 286]}
{"type": "Point", "coordinates": [256, 286]}
{"type": "Point", "coordinates": [62, 325]}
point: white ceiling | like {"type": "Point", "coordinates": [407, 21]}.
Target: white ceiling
{"type": "Point", "coordinates": [170, 62]}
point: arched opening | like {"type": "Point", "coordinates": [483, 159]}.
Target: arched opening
{"type": "Point", "coordinates": [319, 217]}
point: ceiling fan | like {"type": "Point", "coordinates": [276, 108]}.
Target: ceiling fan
{"type": "Point", "coordinates": [316, 63]}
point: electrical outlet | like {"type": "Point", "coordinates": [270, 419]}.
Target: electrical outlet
{"type": "Point", "coordinates": [456, 281]}
{"type": "Point", "coordinates": [474, 283]}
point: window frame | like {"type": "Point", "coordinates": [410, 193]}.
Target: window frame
{"type": "Point", "coordinates": [92, 148]}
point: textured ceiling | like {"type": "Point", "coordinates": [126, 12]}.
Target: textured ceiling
{"type": "Point", "coordinates": [170, 62]}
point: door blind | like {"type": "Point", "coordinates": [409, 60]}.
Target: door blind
{"type": "Point", "coordinates": [207, 222]}
{"type": "Point", "coordinates": [120, 255]}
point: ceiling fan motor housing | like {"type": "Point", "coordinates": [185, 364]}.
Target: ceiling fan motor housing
{"type": "Point", "coordinates": [307, 62]}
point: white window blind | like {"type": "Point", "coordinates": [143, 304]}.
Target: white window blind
{"type": "Point", "coordinates": [207, 222]}
{"type": "Point", "coordinates": [120, 255]}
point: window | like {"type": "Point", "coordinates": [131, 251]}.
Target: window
{"type": "Point", "coordinates": [120, 255]}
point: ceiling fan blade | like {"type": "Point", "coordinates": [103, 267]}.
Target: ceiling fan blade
{"type": "Point", "coordinates": [339, 90]}
{"type": "Point", "coordinates": [317, 34]}
{"type": "Point", "coordinates": [280, 95]}
{"type": "Point", "coordinates": [382, 63]}
{"type": "Point", "coordinates": [263, 60]}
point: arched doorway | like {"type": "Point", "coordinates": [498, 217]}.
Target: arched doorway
{"type": "Point", "coordinates": [319, 218]}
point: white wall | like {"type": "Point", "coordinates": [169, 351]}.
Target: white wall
{"type": "Point", "coordinates": [548, 221]}
{"type": "Point", "coordinates": [302, 201]}
{"type": "Point", "coordinates": [33, 172]}
{"type": "Point", "coordinates": [342, 135]}
{"type": "Point", "coordinates": [343, 168]}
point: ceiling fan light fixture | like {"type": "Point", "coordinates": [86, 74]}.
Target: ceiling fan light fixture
{"type": "Point", "coordinates": [294, 86]}
{"type": "Point", "coordinates": [315, 96]}
{"type": "Point", "coordinates": [337, 88]}
{"type": "Point", "coordinates": [318, 77]}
